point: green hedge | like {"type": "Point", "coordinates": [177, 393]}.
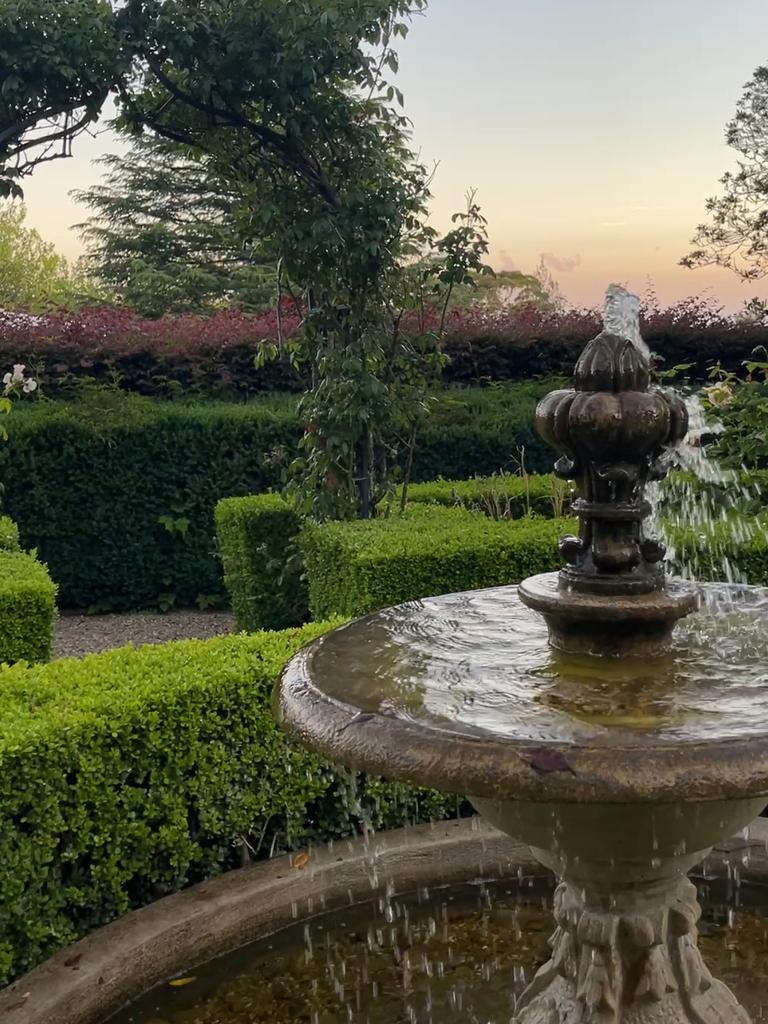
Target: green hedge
{"type": "Point", "coordinates": [733, 549]}
{"type": "Point", "coordinates": [27, 607]}
{"type": "Point", "coordinates": [127, 775]}
{"type": "Point", "coordinates": [504, 496]}
{"type": "Point", "coordinates": [262, 571]}
{"type": "Point", "coordinates": [353, 568]}
{"type": "Point", "coordinates": [117, 493]}
{"type": "Point", "coordinates": [9, 535]}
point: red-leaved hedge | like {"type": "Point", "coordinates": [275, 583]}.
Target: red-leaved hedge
{"type": "Point", "coordinates": [215, 355]}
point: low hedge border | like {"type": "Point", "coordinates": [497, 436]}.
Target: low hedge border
{"type": "Point", "coordinates": [503, 496]}
{"type": "Point", "coordinates": [262, 569]}
{"type": "Point", "coordinates": [263, 563]}
{"type": "Point", "coordinates": [128, 775]}
{"type": "Point", "coordinates": [354, 568]}
{"type": "Point", "coordinates": [27, 606]}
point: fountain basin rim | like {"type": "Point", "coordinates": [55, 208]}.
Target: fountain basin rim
{"type": "Point", "coordinates": [509, 768]}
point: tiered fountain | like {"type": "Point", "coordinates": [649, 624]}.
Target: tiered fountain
{"type": "Point", "coordinates": [574, 714]}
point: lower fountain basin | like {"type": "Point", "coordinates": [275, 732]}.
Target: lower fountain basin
{"type": "Point", "coordinates": [440, 957]}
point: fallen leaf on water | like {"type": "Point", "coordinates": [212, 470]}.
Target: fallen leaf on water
{"type": "Point", "coordinates": [301, 860]}
{"type": "Point", "coordinates": [178, 982]}
{"type": "Point", "coordinates": [546, 761]}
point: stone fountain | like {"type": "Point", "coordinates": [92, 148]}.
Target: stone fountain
{"type": "Point", "coordinates": [573, 713]}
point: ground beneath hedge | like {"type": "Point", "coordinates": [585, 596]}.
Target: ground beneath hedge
{"type": "Point", "coordinates": [77, 635]}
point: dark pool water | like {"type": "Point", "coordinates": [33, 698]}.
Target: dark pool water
{"type": "Point", "coordinates": [455, 956]}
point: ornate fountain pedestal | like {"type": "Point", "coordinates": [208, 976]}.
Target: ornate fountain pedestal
{"type": "Point", "coordinates": [612, 428]}
{"type": "Point", "coordinates": [624, 950]}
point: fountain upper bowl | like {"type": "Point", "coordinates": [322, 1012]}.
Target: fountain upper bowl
{"type": "Point", "coordinates": [463, 693]}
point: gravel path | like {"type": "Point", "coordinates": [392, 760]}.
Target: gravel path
{"type": "Point", "coordinates": [77, 635]}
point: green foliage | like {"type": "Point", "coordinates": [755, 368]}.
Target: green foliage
{"type": "Point", "coordinates": [725, 550]}
{"type": "Point", "coordinates": [744, 441]}
{"type": "Point", "coordinates": [58, 62]}
{"type": "Point", "coordinates": [118, 494]}
{"type": "Point", "coordinates": [149, 475]}
{"type": "Point", "coordinates": [128, 775]}
{"type": "Point", "coordinates": [262, 570]}
{"type": "Point", "coordinates": [27, 604]}
{"type": "Point", "coordinates": [9, 535]}
{"type": "Point", "coordinates": [505, 496]}
{"type": "Point", "coordinates": [166, 237]}
{"type": "Point", "coordinates": [478, 431]}
{"type": "Point", "coordinates": [353, 568]}
{"type": "Point", "coordinates": [33, 276]}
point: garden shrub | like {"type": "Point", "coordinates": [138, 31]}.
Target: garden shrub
{"type": "Point", "coordinates": [214, 356]}
{"type": "Point", "coordinates": [734, 548]}
{"type": "Point", "coordinates": [505, 496]}
{"type": "Point", "coordinates": [9, 535]}
{"type": "Point", "coordinates": [27, 608]}
{"type": "Point", "coordinates": [117, 493]}
{"type": "Point", "coordinates": [356, 567]}
{"type": "Point", "coordinates": [128, 775]}
{"type": "Point", "coordinates": [262, 571]}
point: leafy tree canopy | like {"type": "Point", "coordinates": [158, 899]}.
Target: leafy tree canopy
{"type": "Point", "coordinates": [736, 232]}
{"type": "Point", "coordinates": [166, 237]}
{"type": "Point", "coordinates": [33, 276]}
{"type": "Point", "coordinates": [291, 103]}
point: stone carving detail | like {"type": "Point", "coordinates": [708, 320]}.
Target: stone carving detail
{"type": "Point", "coordinates": [640, 965]}
{"type": "Point", "coordinates": [612, 428]}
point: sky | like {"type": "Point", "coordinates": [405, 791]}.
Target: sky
{"type": "Point", "coordinates": [593, 131]}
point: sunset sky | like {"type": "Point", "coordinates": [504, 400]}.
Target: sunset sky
{"type": "Point", "coordinates": [593, 131]}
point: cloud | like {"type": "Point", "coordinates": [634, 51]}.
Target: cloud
{"type": "Point", "coordinates": [562, 264]}
{"type": "Point", "coordinates": [506, 262]}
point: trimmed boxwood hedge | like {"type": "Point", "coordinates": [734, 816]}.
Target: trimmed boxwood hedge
{"type": "Point", "coordinates": [27, 608]}
{"type": "Point", "coordinates": [128, 775]}
{"type": "Point", "coordinates": [117, 493]}
{"type": "Point", "coordinates": [353, 568]}
{"type": "Point", "coordinates": [724, 551]}
{"type": "Point", "coordinates": [262, 570]}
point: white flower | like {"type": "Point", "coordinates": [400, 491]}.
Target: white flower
{"type": "Point", "coordinates": [7, 379]}
{"type": "Point", "coordinates": [30, 385]}
{"type": "Point", "coordinates": [18, 373]}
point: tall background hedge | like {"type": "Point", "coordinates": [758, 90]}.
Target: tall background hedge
{"type": "Point", "coordinates": [117, 493]}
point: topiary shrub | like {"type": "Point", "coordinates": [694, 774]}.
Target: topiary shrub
{"type": "Point", "coordinates": [256, 538]}
{"type": "Point", "coordinates": [27, 605]}
{"type": "Point", "coordinates": [356, 567]}
{"type": "Point", "coordinates": [128, 775]}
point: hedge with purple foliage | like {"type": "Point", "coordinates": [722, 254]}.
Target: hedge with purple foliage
{"type": "Point", "coordinates": [215, 355]}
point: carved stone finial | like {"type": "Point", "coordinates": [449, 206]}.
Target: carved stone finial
{"type": "Point", "coordinates": [611, 427]}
